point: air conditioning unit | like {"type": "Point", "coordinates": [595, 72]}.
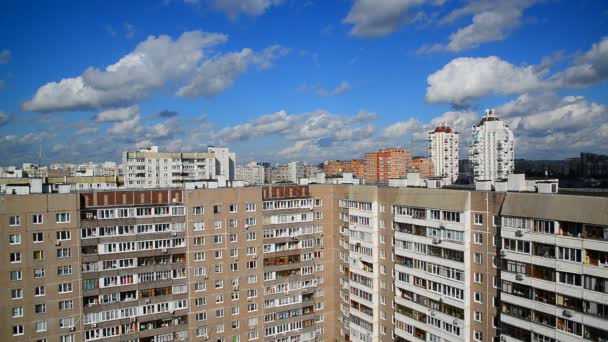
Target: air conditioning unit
{"type": "Point", "coordinates": [133, 319]}
{"type": "Point", "coordinates": [57, 243]}
{"type": "Point", "coordinates": [567, 313]}
{"type": "Point", "coordinates": [519, 233]}
{"type": "Point", "coordinates": [433, 313]}
{"type": "Point", "coordinates": [519, 276]}
{"type": "Point", "coordinates": [72, 329]}
{"type": "Point", "coordinates": [174, 234]}
{"type": "Point", "coordinates": [172, 312]}
{"type": "Point", "coordinates": [235, 287]}
{"type": "Point", "coordinates": [436, 241]}
{"type": "Point", "coordinates": [455, 322]}
{"type": "Point", "coordinates": [93, 325]}
{"type": "Point", "coordinates": [503, 338]}
{"type": "Point", "coordinates": [147, 300]}
{"type": "Point", "coordinates": [503, 252]}
{"type": "Point", "coordinates": [164, 250]}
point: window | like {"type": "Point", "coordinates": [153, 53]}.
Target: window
{"type": "Point", "coordinates": [67, 322]}
{"type": "Point", "coordinates": [15, 257]}
{"type": "Point", "coordinates": [569, 254]}
{"type": "Point", "coordinates": [14, 239]}
{"type": "Point", "coordinates": [250, 236]}
{"type": "Point", "coordinates": [250, 207]}
{"type": "Point", "coordinates": [37, 219]}
{"type": "Point", "coordinates": [478, 219]}
{"type": "Point", "coordinates": [64, 270]}
{"type": "Point", "coordinates": [250, 221]}
{"type": "Point", "coordinates": [477, 316]}
{"type": "Point", "coordinates": [17, 330]}
{"type": "Point", "coordinates": [16, 293]}
{"type": "Point", "coordinates": [39, 291]}
{"type": "Point", "coordinates": [65, 288]}
{"type": "Point", "coordinates": [200, 210]}
{"type": "Point", "coordinates": [64, 235]}
{"type": "Point", "coordinates": [233, 208]}
{"type": "Point", "coordinates": [14, 221]}
{"type": "Point", "coordinates": [40, 308]}
{"type": "Point", "coordinates": [478, 238]}
{"type": "Point", "coordinates": [64, 253]}
{"type": "Point", "coordinates": [37, 237]}
{"type": "Point", "coordinates": [477, 335]}
{"type": "Point", "coordinates": [477, 297]}
{"type": "Point", "coordinates": [217, 209]}
{"type": "Point", "coordinates": [478, 277]}
{"type": "Point", "coordinates": [17, 311]}
{"type": "Point", "coordinates": [65, 305]}
{"type": "Point", "coordinates": [217, 225]}
{"type": "Point", "coordinates": [16, 275]}
{"type": "Point", "coordinates": [40, 326]}
{"type": "Point", "coordinates": [62, 217]}
{"type": "Point", "coordinates": [198, 226]}
{"type": "Point", "coordinates": [478, 258]}
{"type": "Point", "coordinates": [233, 223]}
{"type": "Point", "coordinates": [217, 239]}
{"type": "Point", "coordinates": [38, 255]}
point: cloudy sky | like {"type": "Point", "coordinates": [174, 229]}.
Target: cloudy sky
{"type": "Point", "coordinates": [279, 80]}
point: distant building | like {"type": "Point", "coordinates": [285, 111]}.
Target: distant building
{"type": "Point", "coordinates": [423, 166]}
{"type": "Point", "coordinates": [251, 173]}
{"type": "Point", "coordinates": [491, 150]}
{"type": "Point", "coordinates": [338, 167]}
{"type": "Point", "coordinates": [443, 151]}
{"type": "Point", "coordinates": [149, 168]}
{"type": "Point", "coordinates": [386, 164]}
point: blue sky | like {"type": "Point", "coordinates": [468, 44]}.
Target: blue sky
{"type": "Point", "coordinates": [279, 80]}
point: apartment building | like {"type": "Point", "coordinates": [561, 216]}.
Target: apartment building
{"type": "Point", "coordinates": [423, 166]}
{"type": "Point", "coordinates": [443, 151]}
{"type": "Point", "coordinates": [322, 262]}
{"type": "Point", "coordinates": [554, 268]}
{"type": "Point", "coordinates": [338, 167]}
{"type": "Point", "coordinates": [386, 164]}
{"type": "Point", "coordinates": [149, 168]}
{"type": "Point", "coordinates": [491, 150]}
{"type": "Point", "coordinates": [251, 173]}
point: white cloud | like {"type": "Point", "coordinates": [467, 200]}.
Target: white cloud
{"type": "Point", "coordinates": [5, 56]}
{"type": "Point", "coordinates": [128, 128]}
{"type": "Point", "coordinates": [340, 89]}
{"type": "Point", "coordinates": [491, 21]}
{"type": "Point", "coordinates": [234, 8]}
{"type": "Point", "coordinates": [401, 128]}
{"type": "Point", "coordinates": [154, 62]}
{"type": "Point", "coordinates": [464, 80]}
{"type": "Point", "coordinates": [219, 74]}
{"type": "Point", "coordinates": [375, 18]}
{"type": "Point", "coordinates": [87, 131]}
{"type": "Point", "coordinates": [588, 69]}
{"type": "Point", "coordinates": [117, 115]}
{"type": "Point", "coordinates": [264, 125]}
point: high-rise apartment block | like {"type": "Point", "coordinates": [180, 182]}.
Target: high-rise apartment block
{"type": "Point", "coordinates": [443, 151]}
{"type": "Point", "coordinates": [149, 168]}
{"type": "Point", "coordinates": [304, 263]}
{"type": "Point", "coordinates": [386, 164]}
{"type": "Point", "coordinates": [423, 166]}
{"type": "Point", "coordinates": [338, 167]}
{"type": "Point", "coordinates": [251, 174]}
{"type": "Point", "coordinates": [491, 151]}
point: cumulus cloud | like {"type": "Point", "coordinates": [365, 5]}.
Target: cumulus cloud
{"type": "Point", "coordinates": [340, 89]}
{"type": "Point", "coordinates": [235, 8]}
{"type": "Point", "coordinates": [588, 69]}
{"type": "Point", "coordinates": [87, 131]}
{"type": "Point", "coordinates": [465, 79]}
{"type": "Point", "coordinates": [117, 115]}
{"type": "Point", "coordinates": [220, 73]}
{"type": "Point", "coordinates": [154, 62]}
{"type": "Point", "coordinates": [491, 21]}
{"type": "Point", "coordinates": [401, 128]}
{"type": "Point", "coordinates": [264, 125]}
{"type": "Point", "coordinates": [167, 113]}
{"type": "Point", "coordinates": [5, 56]}
{"type": "Point", "coordinates": [375, 18]}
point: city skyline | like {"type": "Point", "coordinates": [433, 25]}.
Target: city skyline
{"type": "Point", "coordinates": [338, 81]}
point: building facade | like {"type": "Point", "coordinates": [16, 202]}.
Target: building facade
{"type": "Point", "coordinates": [443, 151]}
{"type": "Point", "coordinates": [386, 164]}
{"type": "Point", "coordinates": [149, 168]}
{"type": "Point", "coordinates": [251, 173]}
{"type": "Point", "coordinates": [424, 166]}
{"type": "Point", "coordinates": [338, 167]}
{"type": "Point", "coordinates": [303, 263]}
{"type": "Point", "coordinates": [491, 150]}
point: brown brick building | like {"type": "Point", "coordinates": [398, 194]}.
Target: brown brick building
{"type": "Point", "coordinates": [386, 164]}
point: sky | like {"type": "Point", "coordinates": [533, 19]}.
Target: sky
{"type": "Point", "coordinates": [310, 80]}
